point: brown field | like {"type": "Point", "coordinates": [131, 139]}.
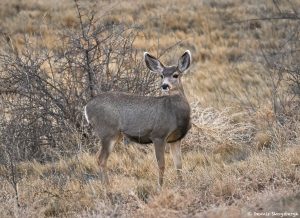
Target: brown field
{"type": "Point", "coordinates": [238, 160]}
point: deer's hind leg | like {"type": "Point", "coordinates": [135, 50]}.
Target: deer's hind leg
{"type": "Point", "coordinates": [108, 143]}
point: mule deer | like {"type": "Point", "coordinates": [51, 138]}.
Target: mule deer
{"type": "Point", "coordinates": [144, 119]}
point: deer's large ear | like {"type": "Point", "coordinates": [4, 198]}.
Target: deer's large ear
{"type": "Point", "coordinates": [153, 64]}
{"type": "Point", "coordinates": [184, 61]}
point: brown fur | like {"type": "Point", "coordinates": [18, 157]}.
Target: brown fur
{"type": "Point", "coordinates": [144, 119]}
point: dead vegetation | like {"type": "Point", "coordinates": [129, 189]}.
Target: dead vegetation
{"type": "Point", "coordinates": [242, 154]}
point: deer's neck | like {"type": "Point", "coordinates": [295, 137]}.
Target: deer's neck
{"type": "Point", "coordinates": [179, 99]}
{"type": "Point", "coordinates": [179, 91]}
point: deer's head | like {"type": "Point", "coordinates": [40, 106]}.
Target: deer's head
{"type": "Point", "coordinates": [170, 75]}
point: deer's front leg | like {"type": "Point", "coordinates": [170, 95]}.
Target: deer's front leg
{"type": "Point", "coordinates": [176, 154]}
{"type": "Point", "coordinates": [159, 146]}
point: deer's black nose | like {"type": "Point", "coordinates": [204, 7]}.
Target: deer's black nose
{"type": "Point", "coordinates": [165, 86]}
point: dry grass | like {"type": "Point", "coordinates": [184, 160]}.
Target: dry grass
{"type": "Point", "coordinates": [221, 178]}
{"type": "Point", "coordinates": [235, 161]}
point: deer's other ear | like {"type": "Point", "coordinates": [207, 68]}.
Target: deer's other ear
{"type": "Point", "coordinates": [153, 64]}
{"type": "Point", "coordinates": [184, 61]}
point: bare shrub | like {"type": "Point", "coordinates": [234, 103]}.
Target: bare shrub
{"type": "Point", "coordinates": [272, 98]}
{"type": "Point", "coordinates": [281, 61]}
{"type": "Point", "coordinates": [44, 91]}
{"type": "Point", "coordinates": [10, 158]}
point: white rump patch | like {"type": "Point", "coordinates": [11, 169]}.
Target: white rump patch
{"type": "Point", "coordinates": [85, 114]}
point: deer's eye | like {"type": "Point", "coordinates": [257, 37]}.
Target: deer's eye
{"type": "Point", "coordinates": [175, 76]}
{"type": "Point", "coordinates": [161, 76]}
